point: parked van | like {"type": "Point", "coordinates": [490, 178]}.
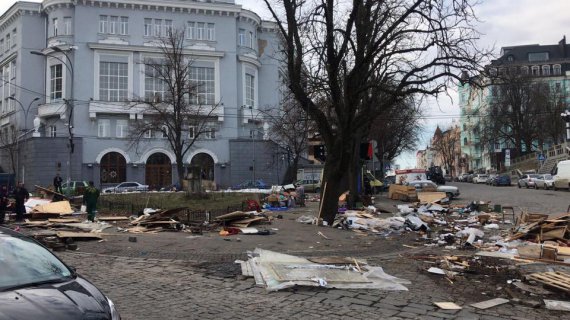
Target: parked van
{"type": "Point", "coordinates": [561, 174]}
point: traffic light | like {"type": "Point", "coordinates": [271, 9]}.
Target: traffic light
{"type": "Point", "coordinates": [320, 152]}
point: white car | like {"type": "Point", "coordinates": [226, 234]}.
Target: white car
{"type": "Point", "coordinates": [480, 178]}
{"type": "Point", "coordinates": [126, 187]}
{"type": "Point", "coordinates": [450, 191]}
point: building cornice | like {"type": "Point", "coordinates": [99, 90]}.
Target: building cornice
{"type": "Point", "coordinates": [16, 10]}
{"type": "Point", "coordinates": [174, 6]}
{"type": "Point", "coordinates": [150, 49]}
{"type": "Point", "coordinates": [249, 59]}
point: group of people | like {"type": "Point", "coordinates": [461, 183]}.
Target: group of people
{"type": "Point", "coordinates": [21, 195]}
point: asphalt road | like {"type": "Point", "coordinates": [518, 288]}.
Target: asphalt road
{"type": "Point", "coordinates": [535, 201]}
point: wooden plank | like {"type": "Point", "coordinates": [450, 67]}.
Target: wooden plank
{"type": "Point", "coordinates": [530, 251]}
{"type": "Point", "coordinates": [489, 303]}
{"type": "Point", "coordinates": [78, 235]}
{"type": "Point", "coordinates": [563, 251]}
{"type": "Point", "coordinates": [430, 197]}
{"type": "Point", "coordinates": [447, 305]}
{"type": "Point", "coordinates": [55, 220]}
{"type": "Point", "coordinates": [48, 191]}
{"type": "Point", "coordinates": [112, 218]}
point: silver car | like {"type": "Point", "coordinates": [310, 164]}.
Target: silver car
{"type": "Point", "coordinates": [544, 181]}
{"type": "Point", "coordinates": [126, 187]}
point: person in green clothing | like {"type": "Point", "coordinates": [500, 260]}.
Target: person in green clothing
{"type": "Point", "coordinates": [90, 197]}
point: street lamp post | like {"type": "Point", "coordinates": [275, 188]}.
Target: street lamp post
{"type": "Point", "coordinates": [69, 103]}
{"type": "Point", "coordinates": [23, 131]}
{"type": "Point", "coordinates": [566, 117]}
{"type": "Point", "coordinates": [252, 134]}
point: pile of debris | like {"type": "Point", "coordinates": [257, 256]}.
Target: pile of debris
{"type": "Point", "coordinates": [243, 222]}
{"type": "Point", "coordinates": [152, 221]}
{"type": "Point", "coordinates": [277, 271]}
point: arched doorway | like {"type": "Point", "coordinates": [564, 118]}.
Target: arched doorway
{"type": "Point", "coordinates": [113, 168]}
{"type": "Point", "coordinates": [206, 164]}
{"type": "Point", "coordinates": [158, 171]}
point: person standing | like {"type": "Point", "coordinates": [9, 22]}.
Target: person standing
{"type": "Point", "coordinates": [57, 183]}
{"type": "Point", "coordinates": [90, 197]}
{"type": "Point", "coordinates": [3, 203]}
{"type": "Point", "coordinates": [21, 195]}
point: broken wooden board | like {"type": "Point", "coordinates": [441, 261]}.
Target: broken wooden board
{"type": "Point", "coordinates": [431, 197]}
{"type": "Point", "coordinates": [50, 192]}
{"type": "Point", "coordinates": [447, 305]}
{"type": "Point", "coordinates": [60, 207]}
{"type": "Point", "coordinates": [557, 305]}
{"type": "Point", "coordinates": [233, 216]}
{"type": "Point", "coordinates": [558, 280]}
{"type": "Point", "coordinates": [532, 251]}
{"type": "Point", "coordinates": [531, 289]}
{"type": "Point", "coordinates": [78, 235]}
{"type": "Point", "coordinates": [554, 234]}
{"type": "Point", "coordinates": [246, 222]}
{"type": "Point", "coordinates": [112, 218]}
{"type": "Point", "coordinates": [489, 303]}
{"type": "Point", "coordinates": [72, 220]}
{"type": "Point", "coordinates": [334, 260]}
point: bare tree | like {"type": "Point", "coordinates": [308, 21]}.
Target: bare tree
{"type": "Point", "coordinates": [9, 143]}
{"type": "Point", "coordinates": [448, 147]}
{"type": "Point", "coordinates": [289, 129]}
{"type": "Point", "coordinates": [396, 130]}
{"type": "Point", "coordinates": [178, 107]}
{"type": "Point", "coordinates": [344, 54]}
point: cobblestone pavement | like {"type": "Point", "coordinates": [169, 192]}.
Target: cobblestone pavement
{"type": "Point", "coordinates": [176, 289]}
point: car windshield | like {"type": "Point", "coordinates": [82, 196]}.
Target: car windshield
{"type": "Point", "coordinates": [25, 263]}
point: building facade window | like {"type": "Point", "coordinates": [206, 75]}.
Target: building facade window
{"type": "Point", "coordinates": [168, 28]}
{"type": "Point", "coordinates": [538, 56]}
{"type": "Point", "coordinates": [190, 30]}
{"type": "Point", "coordinates": [113, 81]}
{"type": "Point", "coordinates": [164, 132]}
{"type": "Point", "coordinates": [52, 132]}
{"type": "Point", "coordinates": [241, 37]}
{"type": "Point", "coordinates": [210, 133]}
{"type": "Point", "coordinates": [203, 79]}
{"type": "Point", "coordinates": [113, 22]}
{"type": "Point", "coordinates": [8, 42]}
{"type": "Point", "coordinates": [122, 128]}
{"type": "Point", "coordinates": [250, 90]}
{"type": "Point", "coordinates": [103, 128]}
{"type": "Point", "coordinates": [211, 32]}
{"type": "Point", "coordinates": [56, 82]}
{"type": "Point", "coordinates": [147, 27]}
{"type": "Point", "coordinates": [67, 26]}
{"type": "Point", "coordinates": [124, 26]}
{"type": "Point", "coordinates": [558, 87]}
{"type": "Point", "coordinates": [55, 26]}
{"type": "Point", "coordinates": [148, 134]}
{"type": "Point", "coordinates": [103, 22]}
{"type": "Point", "coordinates": [154, 85]}
{"type": "Point", "coordinates": [535, 70]}
{"type": "Point", "coordinates": [191, 132]}
{"type": "Point", "coordinates": [546, 70]}
{"type": "Point", "coordinates": [157, 27]}
{"type": "Point", "coordinates": [524, 71]}
{"type": "Point", "coordinates": [14, 36]}
{"type": "Point", "coordinates": [557, 70]}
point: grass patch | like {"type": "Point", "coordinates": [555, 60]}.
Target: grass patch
{"type": "Point", "coordinates": [135, 202]}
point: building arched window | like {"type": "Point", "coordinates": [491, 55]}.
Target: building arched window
{"type": "Point", "coordinates": [556, 69]}
{"type": "Point", "coordinates": [464, 141]}
{"type": "Point", "coordinates": [546, 70]}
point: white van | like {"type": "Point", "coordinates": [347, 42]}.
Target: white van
{"type": "Point", "coordinates": [561, 174]}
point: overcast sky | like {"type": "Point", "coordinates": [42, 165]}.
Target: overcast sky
{"type": "Point", "coordinates": [503, 23]}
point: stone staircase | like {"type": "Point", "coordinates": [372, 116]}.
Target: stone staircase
{"type": "Point", "coordinates": [554, 155]}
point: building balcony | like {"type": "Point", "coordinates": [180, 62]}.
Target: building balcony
{"type": "Point", "coordinates": [58, 108]}
{"type": "Point", "coordinates": [138, 111]}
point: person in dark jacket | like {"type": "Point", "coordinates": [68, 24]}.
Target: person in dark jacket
{"type": "Point", "coordinates": [21, 195]}
{"type": "Point", "coordinates": [90, 197]}
{"type": "Point", "coordinates": [3, 203]}
{"type": "Point", "coordinates": [57, 181]}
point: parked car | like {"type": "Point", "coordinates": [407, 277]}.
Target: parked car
{"type": "Point", "coordinates": [450, 191]}
{"type": "Point", "coordinates": [544, 181]}
{"type": "Point", "coordinates": [490, 179]}
{"type": "Point", "coordinates": [527, 180]}
{"type": "Point", "coordinates": [126, 187]}
{"type": "Point", "coordinates": [480, 178]}
{"type": "Point", "coordinates": [502, 180]}
{"type": "Point", "coordinates": [462, 177]}
{"type": "Point", "coordinates": [469, 178]}
{"type": "Point", "coordinates": [35, 284]}
{"type": "Point", "coordinates": [561, 175]}
{"type": "Point", "coordinates": [251, 184]}
{"type": "Point", "coordinates": [74, 187]}
{"type": "Point", "coordinates": [310, 185]}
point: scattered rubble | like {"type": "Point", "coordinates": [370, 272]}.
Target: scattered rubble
{"type": "Point", "coordinates": [276, 271]}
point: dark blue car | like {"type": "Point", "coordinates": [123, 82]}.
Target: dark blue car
{"type": "Point", "coordinates": [252, 184]}
{"type": "Point", "coordinates": [502, 180]}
